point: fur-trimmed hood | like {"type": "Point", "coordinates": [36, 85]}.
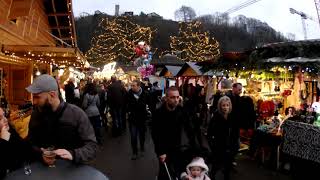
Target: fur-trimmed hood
{"type": "Point", "coordinates": [199, 162]}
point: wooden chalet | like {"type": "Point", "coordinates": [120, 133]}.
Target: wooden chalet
{"type": "Point", "coordinates": [190, 69]}
{"type": "Point", "coordinates": [35, 35]}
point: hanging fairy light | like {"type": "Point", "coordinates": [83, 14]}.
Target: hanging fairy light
{"type": "Point", "coordinates": [116, 40]}
{"type": "Point", "coordinates": [196, 45]}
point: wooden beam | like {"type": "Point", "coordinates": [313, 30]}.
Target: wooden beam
{"type": "Point", "coordinates": [58, 14]}
{"type": "Point", "coordinates": [55, 17]}
{"type": "Point", "coordinates": [74, 34]}
{"type": "Point", "coordinates": [60, 27]}
{"type": "Point", "coordinates": [66, 38]}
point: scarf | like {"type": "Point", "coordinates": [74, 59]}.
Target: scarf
{"type": "Point", "coordinates": [137, 94]}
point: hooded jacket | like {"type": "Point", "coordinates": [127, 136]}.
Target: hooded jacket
{"type": "Point", "coordinates": [197, 162]}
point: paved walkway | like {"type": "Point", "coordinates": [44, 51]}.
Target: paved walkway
{"type": "Point", "coordinates": [114, 160]}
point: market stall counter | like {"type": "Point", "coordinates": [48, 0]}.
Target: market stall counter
{"type": "Point", "coordinates": [62, 170]}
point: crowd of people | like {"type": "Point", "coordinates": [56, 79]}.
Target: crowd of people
{"type": "Point", "coordinates": [187, 132]}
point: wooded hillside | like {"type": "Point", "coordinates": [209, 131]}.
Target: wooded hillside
{"type": "Point", "coordinates": [237, 34]}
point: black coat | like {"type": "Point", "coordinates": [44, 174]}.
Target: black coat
{"type": "Point", "coordinates": [169, 128]}
{"type": "Point", "coordinates": [248, 114]}
{"type": "Point", "coordinates": [223, 135]}
{"type": "Point", "coordinates": [116, 95]}
{"type": "Point", "coordinates": [137, 108]}
{"type": "Point", "coordinates": [14, 153]}
{"type": "Point", "coordinates": [66, 128]}
{"type": "Point", "coordinates": [69, 91]}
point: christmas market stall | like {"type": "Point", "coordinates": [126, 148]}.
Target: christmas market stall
{"type": "Point", "coordinates": [36, 37]}
{"type": "Point", "coordinates": [302, 60]}
{"type": "Point", "coordinates": [167, 68]}
{"type": "Point", "coordinates": [286, 79]}
{"type": "Point", "coordinates": [296, 70]}
{"type": "Point", "coordinates": [278, 77]}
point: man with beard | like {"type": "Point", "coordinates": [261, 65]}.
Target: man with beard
{"type": "Point", "coordinates": [57, 124]}
{"type": "Point", "coordinates": [173, 136]}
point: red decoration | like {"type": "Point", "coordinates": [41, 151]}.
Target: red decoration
{"type": "Point", "coordinates": [142, 50]}
{"type": "Point", "coordinates": [286, 93]}
{"type": "Point", "coordinates": [139, 51]}
{"type": "Point", "coordinates": [266, 109]}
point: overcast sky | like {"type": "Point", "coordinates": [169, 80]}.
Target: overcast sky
{"type": "Point", "coordinates": [274, 12]}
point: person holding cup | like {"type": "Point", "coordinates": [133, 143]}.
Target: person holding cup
{"type": "Point", "coordinates": [49, 156]}
{"type": "Point", "coordinates": [57, 123]}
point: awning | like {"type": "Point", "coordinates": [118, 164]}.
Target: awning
{"type": "Point", "coordinates": [46, 54]}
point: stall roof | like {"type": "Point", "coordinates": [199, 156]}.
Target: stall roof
{"type": "Point", "coordinates": [292, 43]}
{"type": "Point", "coordinates": [61, 21]}
{"type": "Point", "coordinates": [293, 60]}
{"type": "Point", "coordinates": [168, 59]}
{"type": "Point", "coordinates": [172, 69]}
{"type": "Point", "coordinates": [193, 66]}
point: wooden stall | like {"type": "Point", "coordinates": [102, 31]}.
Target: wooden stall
{"type": "Point", "coordinates": [35, 35]}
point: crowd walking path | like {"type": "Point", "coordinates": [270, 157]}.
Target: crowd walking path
{"type": "Point", "coordinates": [114, 160]}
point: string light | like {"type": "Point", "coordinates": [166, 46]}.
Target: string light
{"type": "Point", "coordinates": [195, 45]}
{"type": "Point", "coordinates": [116, 39]}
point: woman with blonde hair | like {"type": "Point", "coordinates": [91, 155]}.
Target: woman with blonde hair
{"type": "Point", "coordinates": [222, 138]}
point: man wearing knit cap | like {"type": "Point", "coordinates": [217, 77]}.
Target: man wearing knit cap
{"type": "Point", "coordinates": [55, 123]}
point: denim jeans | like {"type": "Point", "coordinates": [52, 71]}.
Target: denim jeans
{"type": "Point", "coordinates": [135, 131]}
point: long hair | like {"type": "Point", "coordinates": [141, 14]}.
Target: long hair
{"type": "Point", "coordinates": [91, 89]}
{"type": "Point", "coordinates": [224, 99]}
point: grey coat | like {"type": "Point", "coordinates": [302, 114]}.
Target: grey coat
{"type": "Point", "coordinates": [66, 128]}
{"type": "Point", "coordinates": [91, 105]}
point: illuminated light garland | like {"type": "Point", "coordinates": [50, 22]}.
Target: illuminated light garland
{"type": "Point", "coordinates": [195, 45]}
{"type": "Point", "coordinates": [115, 40]}
{"type": "Point", "coordinates": [26, 58]}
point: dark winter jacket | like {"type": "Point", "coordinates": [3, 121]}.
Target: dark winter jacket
{"type": "Point", "coordinates": [172, 131]}
{"type": "Point", "coordinates": [116, 95]}
{"type": "Point", "coordinates": [222, 134]}
{"type": "Point", "coordinates": [137, 108]}
{"type": "Point", "coordinates": [67, 128]}
{"type": "Point", "coordinates": [69, 92]}
{"type": "Point", "coordinates": [248, 114]}
{"type": "Point", "coordinates": [14, 153]}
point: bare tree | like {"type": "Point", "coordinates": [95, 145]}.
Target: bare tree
{"type": "Point", "coordinates": [185, 14]}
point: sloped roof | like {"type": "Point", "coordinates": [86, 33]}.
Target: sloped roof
{"type": "Point", "coordinates": [293, 43]}
{"type": "Point", "coordinates": [193, 66]}
{"type": "Point", "coordinates": [168, 59]}
{"type": "Point", "coordinates": [172, 69]}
